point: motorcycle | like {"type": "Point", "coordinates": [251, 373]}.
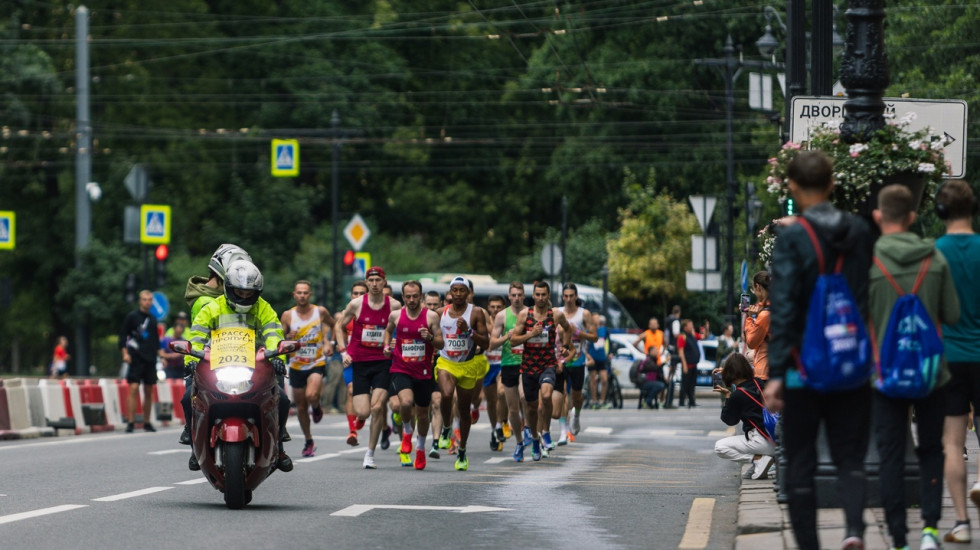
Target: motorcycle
{"type": "Point", "coordinates": [235, 409]}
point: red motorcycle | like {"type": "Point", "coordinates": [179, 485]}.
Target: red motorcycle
{"type": "Point", "coordinates": [235, 405]}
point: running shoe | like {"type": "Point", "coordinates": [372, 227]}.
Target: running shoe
{"type": "Point", "coordinates": [474, 414]}
{"type": "Point", "coordinates": [507, 431]}
{"type": "Point", "coordinates": [493, 441]}
{"type": "Point", "coordinates": [309, 450]}
{"type": "Point", "coordinates": [369, 461]}
{"type": "Point", "coordinates": [317, 415]}
{"type": "Point", "coordinates": [536, 450]}
{"type": "Point", "coordinates": [462, 463]}
{"type": "Point", "coordinates": [852, 543]}
{"type": "Point", "coordinates": [501, 437]}
{"type": "Point", "coordinates": [148, 427]}
{"type": "Point", "coordinates": [444, 438]}
{"type": "Point", "coordinates": [352, 439]}
{"type": "Point", "coordinates": [975, 494]}
{"type": "Point", "coordinates": [546, 436]}
{"type": "Point", "coordinates": [571, 438]}
{"type": "Point", "coordinates": [930, 539]}
{"type": "Point", "coordinates": [434, 453]}
{"type": "Point", "coordinates": [563, 440]}
{"type": "Point", "coordinates": [959, 533]}
{"type": "Point", "coordinates": [285, 463]}
{"type": "Point", "coordinates": [284, 435]}
{"type": "Point", "coordinates": [420, 459]}
{"type": "Point", "coordinates": [129, 428]}
{"type": "Point", "coordinates": [519, 453]}
{"type": "Point", "coordinates": [396, 422]}
{"type": "Point", "coordinates": [385, 442]}
{"type": "Point", "coordinates": [405, 459]}
{"type": "Point", "coordinates": [192, 464]}
{"type": "Point", "coordinates": [527, 436]}
{"type": "Point", "coordinates": [406, 447]}
{"type": "Point", "coordinates": [544, 451]}
{"type": "Point", "coordinates": [576, 423]}
{"type": "Point", "coordinates": [453, 448]}
{"type": "Point", "coordinates": [185, 436]}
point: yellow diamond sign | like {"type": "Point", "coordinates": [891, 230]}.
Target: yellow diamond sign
{"type": "Point", "coordinates": [357, 232]}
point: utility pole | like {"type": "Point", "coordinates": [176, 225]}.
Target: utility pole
{"type": "Point", "coordinates": [83, 172]}
{"type": "Point", "coordinates": [337, 135]}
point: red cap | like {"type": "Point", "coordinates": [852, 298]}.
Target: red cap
{"type": "Point", "coordinates": [376, 270]}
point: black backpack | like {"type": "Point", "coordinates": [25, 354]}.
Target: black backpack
{"type": "Point", "coordinates": [636, 375]}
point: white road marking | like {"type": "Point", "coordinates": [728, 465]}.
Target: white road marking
{"type": "Point", "coordinates": [42, 512]}
{"type": "Point", "coordinates": [498, 460]}
{"type": "Point", "coordinates": [349, 451]}
{"type": "Point", "coordinates": [192, 481]}
{"type": "Point", "coordinates": [357, 509]}
{"type": "Point", "coordinates": [318, 457]}
{"type": "Point", "coordinates": [698, 529]}
{"type": "Point", "coordinates": [133, 494]}
{"type": "Point", "coordinates": [168, 452]}
{"type": "Point", "coordinates": [597, 430]}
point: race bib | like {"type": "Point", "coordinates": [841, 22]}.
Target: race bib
{"type": "Point", "coordinates": [494, 356]}
{"type": "Point", "coordinates": [307, 352]}
{"type": "Point", "coordinates": [232, 346]}
{"type": "Point", "coordinates": [538, 341]}
{"type": "Point", "coordinates": [413, 351]}
{"type": "Point", "coordinates": [372, 336]}
{"type": "Point", "coordinates": [456, 346]}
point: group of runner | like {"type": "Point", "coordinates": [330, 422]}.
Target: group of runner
{"type": "Point", "coordinates": [431, 359]}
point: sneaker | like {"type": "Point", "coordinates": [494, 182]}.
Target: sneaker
{"type": "Point", "coordinates": [750, 471]}
{"type": "Point", "coordinates": [129, 428]}
{"type": "Point", "coordinates": [369, 461]}
{"type": "Point", "coordinates": [852, 543]}
{"type": "Point", "coordinates": [571, 438]}
{"type": "Point", "coordinates": [420, 459]}
{"type": "Point", "coordinates": [959, 533]}
{"type": "Point", "coordinates": [975, 494]}
{"type": "Point", "coordinates": [563, 440]}
{"type": "Point", "coordinates": [405, 459]}
{"type": "Point", "coordinates": [519, 452]}
{"type": "Point", "coordinates": [385, 442]}
{"type": "Point", "coordinates": [930, 539]}
{"type": "Point", "coordinates": [148, 427]}
{"type": "Point", "coordinates": [434, 453]}
{"type": "Point", "coordinates": [527, 436]}
{"type": "Point", "coordinates": [462, 463]}
{"type": "Point", "coordinates": [352, 439]}
{"type": "Point", "coordinates": [507, 431]}
{"type": "Point", "coordinates": [317, 415]}
{"type": "Point", "coordinates": [309, 450]}
{"type": "Point", "coordinates": [406, 446]}
{"type": "Point", "coordinates": [285, 463]}
{"type": "Point", "coordinates": [536, 450]}
{"type": "Point", "coordinates": [501, 437]}
{"type": "Point", "coordinates": [474, 414]}
{"type": "Point", "coordinates": [546, 437]}
{"type": "Point", "coordinates": [192, 464]}
{"type": "Point", "coordinates": [284, 435]}
{"type": "Point", "coordinates": [576, 423]}
{"type": "Point", "coordinates": [185, 436]}
{"type": "Point", "coordinates": [444, 439]}
{"type": "Point", "coordinates": [762, 468]}
{"type": "Point", "coordinates": [495, 444]}
{"type": "Point", "coordinates": [453, 448]}
{"type": "Point", "coordinates": [544, 451]}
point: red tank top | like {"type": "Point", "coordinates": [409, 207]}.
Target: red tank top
{"type": "Point", "coordinates": [410, 354]}
{"type": "Point", "coordinates": [367, 338]}
{"type": "Point", "coordinates": [539, 351]}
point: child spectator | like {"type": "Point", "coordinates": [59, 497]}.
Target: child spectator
{"type": "Point", "coordinates": [742, 392]}
{"type": "Point", "coordinates": [59, 360]}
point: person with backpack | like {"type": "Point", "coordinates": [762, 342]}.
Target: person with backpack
{"type": "Point", "coordinates": [911, 292]}
{"type": "Point", "coordinates": [742, 392]}
{"type": "Point", "coordinates": [843, 241]}
{"type": "Point", "coordinates": [650, 378]}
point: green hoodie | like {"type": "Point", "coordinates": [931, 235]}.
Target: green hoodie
{"type": "Point", "coordinates": [902, 254]}
{"type": "Point", "coordinates": [197, 287]}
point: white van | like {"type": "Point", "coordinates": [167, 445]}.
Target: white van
{"type": "Point", "coordinates": [485, 286]}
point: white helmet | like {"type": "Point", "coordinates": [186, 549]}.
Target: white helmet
{"type": "Point", "coordinates": [224, 256]}
{"type": "Point", "coordinates": [242, 275]}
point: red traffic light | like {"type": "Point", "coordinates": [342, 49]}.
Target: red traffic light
{"type": "Point", "coordinates": [349, 257]}
{"type": "Point", "coordinates": [161, 252]}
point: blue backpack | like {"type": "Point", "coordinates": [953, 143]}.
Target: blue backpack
{"type": "Point", "coordinates": [769, 419]}
{"type": "Point", "coordinates": [836, 352]}
{"type": "Point", "coordinates": [911, 350]}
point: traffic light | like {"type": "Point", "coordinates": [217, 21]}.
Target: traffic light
{"type": "Point", "coordinates": [348, 263]}
{"type": "Point", "coordinates": [161, 268]}
{"type": "Point", "coordinates": [790, 210]}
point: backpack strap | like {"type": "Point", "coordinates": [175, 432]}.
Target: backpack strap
{"type": "Point", "coordinates": [923, 269]}
{"type": "Point", "coordinates": [762, 431]}
{"type": "Point", "coordinates": [818, 249]}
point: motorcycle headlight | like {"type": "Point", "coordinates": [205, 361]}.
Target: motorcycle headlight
{"type": "Point", "coordinates": [234, 380]}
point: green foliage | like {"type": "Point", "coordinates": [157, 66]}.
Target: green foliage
{"type": "Point", "coordinates": [93, 293]}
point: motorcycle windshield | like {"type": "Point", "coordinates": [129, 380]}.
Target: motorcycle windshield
{"type": "Point", "coordinates": [233, 342]}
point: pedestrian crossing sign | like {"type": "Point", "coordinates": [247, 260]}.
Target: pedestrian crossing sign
{"type": "Point", "coordinates": [155, 224]}
{"type": "Point", "coordinates": [285, 158]}
{"type": "Point", "coordinates": [8, 230]}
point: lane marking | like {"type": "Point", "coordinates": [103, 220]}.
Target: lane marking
{"type": "Point", "coordinates": [698, 529]}
{"type": "Point", "coordinates": [722, 433]}
{"type": "Point", "coordinates": [168, 452]}
{"type": "Point", "coordinates": [42, 512]}
{"type": "Point", "coordinates": [318, 457]}
{"type": "Point", "coordinates": [498, 460]}
{"type": "Point", "coordinates": [597, 430]}
{"type": "Point", "coordinates": [355, 510]}
{"type": "Point", "coordinates": [350, 451]}
{"type": "Point", "coordinates": [133, 494]}
{"type": "Point", "coordinates": [192, 481]}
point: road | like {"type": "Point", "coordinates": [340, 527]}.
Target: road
{"type": "Point", "coordinates": [632, 479]}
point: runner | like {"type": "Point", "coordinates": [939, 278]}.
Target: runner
{"type": "Point", "coordinates": [583, 332]}
{"type": "Point", "coordinates": [415, 331]}
{"type": "Point", "coordinates": [310, 325]}
{"type": "Point", "coordinates": [358, 289]}
{"type": "Point", "coordinates": [459, 368]}
{"type": "Point", "coordinates": [433, 302]}
{"type": "Point", "coordinates": [366, 355]}
{"type": "Point", "coordinates": [495, 304]}
{"type": "Point", "coordinates": [510, 361]}
{"type": "Point", "coordinates": [540, 365]}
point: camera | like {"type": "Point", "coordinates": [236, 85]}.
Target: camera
{"type": "Point", "coordinates": [743, 304]}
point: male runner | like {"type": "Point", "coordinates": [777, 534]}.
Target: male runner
{"type": "Point", "coordinates": [459, 368]}
{"type": "Point", "coordinates": [366, 356]}
{"type": "Point", "coordinates": [536, 329]}
{"type": "Point", "coordinates": [433, 302]}
{"type": "Point", "coordinates": [583, 332]}
{"type": "Point", "coordinates": [510, 361]}
{"type": "Point", "coordinates": [495, 304]}
{"type": "Point", "coordinates": [358, 289]}
{"type": "Point", "coordinates": [410, 338]}
{"type": "Point", "coordinates": [310, 325]}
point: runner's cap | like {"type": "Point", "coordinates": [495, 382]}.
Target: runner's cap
{"type": "Point", "coordinates": [459, 281]}
{"type": "Point", "coordinates": [376, 270]}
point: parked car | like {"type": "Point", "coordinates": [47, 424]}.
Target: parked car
{"type": "Point", "coordinates": [624, 353]}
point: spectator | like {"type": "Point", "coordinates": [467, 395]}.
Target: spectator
{"type": "Point", "coordinates": [173, 362]}
{"type": "Point", "coordinates": [956, 204]}
{"type": "Point", "coordinates": [59, 360]}
{"type": "Point", "coordinates": [756, 327]}
{"type": "Point", "coordinates": [672, 327]}
{"type": "Point", "coordinates": [742, 393]}
{"type": "Point", "coordinates": [704, 333]}
{"type": "Point", "coordinates": [726, 345]}
{"type": "Point", "coordinates": [652, 374]}
{"type": "Point", "coordinates": [904, 261]}
{"type": "Point", "coordinates": [140, 344]}
{"type": "Point", "coordinates": [687, 346]}
{"type": "Point", "coordinates": [597, 361]}
{"type": "Point", "coordinates": [846, 415]}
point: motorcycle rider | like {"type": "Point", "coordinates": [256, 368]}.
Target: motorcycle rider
{"type": "Point", "coordinates": [242, 289]}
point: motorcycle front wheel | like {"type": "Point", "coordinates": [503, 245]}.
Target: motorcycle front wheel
{"type": "Point", "coordinates": [233, 457]}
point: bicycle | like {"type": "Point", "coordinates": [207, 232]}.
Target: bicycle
{"type": "Point", "coordinates": [614, 396]}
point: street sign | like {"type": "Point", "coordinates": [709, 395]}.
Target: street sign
{"type": "Point", "coordinates": [357, 232]}
{"type": "Point", "coordinates": [362, 262]}
{"type": "Point", "coordinates": [551, 259]}
{"type": "Point", "coordinates": [745, 276]}
{"type": "Point", "coordinates": [760, 91]}
{"type": "Point", "coordinates": [699, 281]}
{"type": "Point", "coordinates": [8, 230]}
{"type": "Point", "coordinates": [138, 182]}
{"type": "Point", "coordinates": [155, 224]}
{"type": "Point", "coordinates": [160, 306]}
{"type": "Point", "coordinates": [285, 158]}
{"type": "Point", "coordinates": [703, 207]}
{"type": "Point", "coordinates": [946, 117]}
{"type": "Point", "coordinates": [704, 258]}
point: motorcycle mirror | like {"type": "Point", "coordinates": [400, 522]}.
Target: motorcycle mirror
{"type": "Point", "coordinates": [285, 346]}
{"type": "Point", "coordinates": [183, 347]}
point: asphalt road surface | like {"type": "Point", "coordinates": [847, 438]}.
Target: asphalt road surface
{"type": "Point", "coordinates": [632, 479]}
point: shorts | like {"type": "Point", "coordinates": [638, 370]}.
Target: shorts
{"type": "Point", "coordinates": [597, 366]}
{"type": "Point", "coordinates": [422, 388]}
{"type": "Point", "coordinates": [298, 378]}
{"type": "Point", "coordinates": [348, 375]}
{"type": "Point", "coordinates": [533, 383]}
{"type": "Point", "coordinates": [963, 388]}
{"type": "Point", "coordinates": [140, 371]}
{"type": "Point", "coordinates": [466, 373]}
{"type": "Point", "coordinates": [560, 380]}
{"type": "Point", "coordinates": [371, 375]}
{"type": "Point", "coordinates": [575, 378]}
{"type": "Point", "coordinates": [510, 375]}
{"type": "Point", "coordinates": [491, 377]}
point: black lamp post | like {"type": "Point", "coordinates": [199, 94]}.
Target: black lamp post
{"type": "Point", "coordinates": [864, 71]}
